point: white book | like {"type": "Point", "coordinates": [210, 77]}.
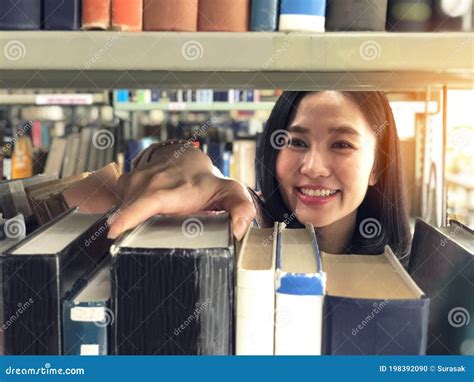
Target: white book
{"type": "Point", "coordinates": [299, 289]}
{"type": "Point", "coordinates": [255, 294]}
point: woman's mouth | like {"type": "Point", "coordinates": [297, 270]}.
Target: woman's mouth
{"type": "Point", "coordinates": [315, 195]}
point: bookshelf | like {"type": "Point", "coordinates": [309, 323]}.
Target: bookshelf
{"type": "Point", "coordinates": [194, 106]}
{"type": "Point", "coordinates": [345, 61]}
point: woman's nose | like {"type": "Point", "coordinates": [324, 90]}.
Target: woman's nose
{"type": "Point", "coordinates": [315, 164]}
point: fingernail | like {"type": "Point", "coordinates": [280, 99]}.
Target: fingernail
{"type": "Point", "coordinates": [114, 231]}
{"type": "Point", "coordinates": [240, 228]}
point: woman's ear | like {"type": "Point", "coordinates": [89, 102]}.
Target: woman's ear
{"type": "Point", "coordinates": [372, 178]}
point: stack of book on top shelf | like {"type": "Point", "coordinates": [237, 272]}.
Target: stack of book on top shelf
{"type": "Point", "coordinates": [173, 285]}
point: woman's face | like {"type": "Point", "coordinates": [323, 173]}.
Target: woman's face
{"type": "Point", "coordinates": [325, 170]}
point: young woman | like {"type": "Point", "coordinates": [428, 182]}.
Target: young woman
{"type": "Point", "coordinates": [326, 158]}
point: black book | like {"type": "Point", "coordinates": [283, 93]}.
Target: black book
{"type": "Point", "coordinates": [442, 263]}
{"type": "Point", "coordinates": [172, 287]}
{"type": "Point", "coordinates": [62, 15]}
{"type": "Point", "coordinates": [39, 272]}
{"type": "Point", "coordinates": [20, 14]}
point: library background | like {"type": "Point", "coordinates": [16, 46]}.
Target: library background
{"type": "Point", "coordinates": [85, 86]}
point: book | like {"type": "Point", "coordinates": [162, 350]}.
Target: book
{"type": "Point", "coordinates": [356, 15]}
{"type": "Point", "coordinates": [409, 16]}
{"type": "Point", "coordinates": [73, 144]}
{"type": "Point", "coordinates": [40, 270]}
{"type": "Point", "coordinates": [62, 15]}
{"type": "Point", "coordinates": [442, 263]}
{"type": "Point", "coordinates": [255, 292]}
{"type": "Point", "coordinates": [84, 149]}
{"type": "Point", "coordinates": [299, 291]}
{"type": "Point", "coordinates": [223, 16]}
{"type": "Point", "coordinates": [243, 158]}
{"type": "Point", "coordinates": [173, 287]}
{"type": "Point", "coordinates": [22, 158]}
{"type": "Point", "coordinates": [302, 15]}
{"type": "Point", "coordinates": [87, 315]}
{"type": "Point", "coordinates": [163, 15]}
{"type": "Point", "coordinates": [54, 162]}
{"type": "Point", "coordinates": [264, 15]}
{"type": "Point", "coordinates": [127, 15]}
{"type": "Point", "coordinates": [20, 15]}
{"type": "Point", "coordinates": [96, 14]}
{"type": "Point", "coordinates": [372, 307]}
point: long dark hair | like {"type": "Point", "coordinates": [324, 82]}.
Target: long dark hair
{"type": "Point", "coordinates": [383, 202]}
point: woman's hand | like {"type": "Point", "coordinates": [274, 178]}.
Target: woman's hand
{"type": "Point", "coordinates": [179, 185]}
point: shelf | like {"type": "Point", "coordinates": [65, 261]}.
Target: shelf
{"type": "Point", "coordinates": [55, 99]}
{"type": "Point", "coordinates": [350, 61]}
{"type": "Point", "coordinates": [193, 106]}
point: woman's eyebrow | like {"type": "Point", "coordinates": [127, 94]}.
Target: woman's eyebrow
{"type": "Point", "coordinates": [344, 130]}
{"type": "Point", "coordinates": [298, 129]}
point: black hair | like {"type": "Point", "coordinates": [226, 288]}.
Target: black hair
{"type": "Point", "coordinates": [384, 201]}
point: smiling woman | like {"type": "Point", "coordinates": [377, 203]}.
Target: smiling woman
{"type": "Point", "coordinates": [326, 158]}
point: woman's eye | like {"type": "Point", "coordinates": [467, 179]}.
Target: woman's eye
{"type": "Point", "coordinates": [293, 142]}
{"type": "Point", "coordinates": [343, 145]}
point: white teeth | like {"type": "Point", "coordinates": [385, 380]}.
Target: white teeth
{"type": "Point", "coordinates": [311, 192]}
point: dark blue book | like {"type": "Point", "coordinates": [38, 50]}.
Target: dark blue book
{"type": "Point", "coordinates": [442, 263]}
{"type": "Point", "coordinates": [264, 15]}
{"type": "Point", "coordinates": [173, 287]}
{"type": "Point", "coordinates": [62, 14]}
{"type": "Point", "coordinates": [20, 14]}
{"type": "Point", "coordinates": [41, 270]}
{"type": "Point", "coordinates": [216, 151]}
{"type": "Point", "coordinates": [372, 306]}
{"type": "Point", "coordinates": [87, 315]}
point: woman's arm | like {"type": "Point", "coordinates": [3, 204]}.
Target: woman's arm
{"type": "Point", "coordinates": [178, 179]}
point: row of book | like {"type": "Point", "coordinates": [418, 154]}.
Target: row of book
{"type": "Point", "coordinates": [176, 285]}
{"type": "Point", "coordinates": [198, 96]}
{"type": "Point", "coordinates": [237, 15]}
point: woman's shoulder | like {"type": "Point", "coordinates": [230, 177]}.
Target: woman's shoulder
{"type": "Point", "coordinates": [262, 220]}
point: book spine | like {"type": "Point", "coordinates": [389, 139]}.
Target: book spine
{"type": "Point", "coordinates": [302, 15]}
{"type": "Point", "coordinates": [264, 15]}
{"type": "Point", "coordinates": [409, 16]}
{"type": "Point", "coordinates": [127, 15]}
{"type": "Point", "coordinates": [165, 15]}
{"type": "Point", "coordinates": [20, 15]}
{"type": "Point", "coordinates": [95, 14]}
{"type": "Point", "coordinates": [62, 15]}
{"type": "Point", "coordinates": [361, 15]}
{"type": "Point", "coordinates": [214, 16]}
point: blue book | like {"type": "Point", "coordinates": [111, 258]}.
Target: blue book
{"type": "Point", "coordinates": [122, 95]}
{"type": "Point", "coordinates": [302, 15]}
{"type": "Point", "coordinates": [20, 14]}
{"type": "Point", "coordinates": [299, 289]}
{"type": "Point", "coordinates": [264, 15]}
{"type": "Point", "coordinates": [62, 15]}
{"type": "Point", "coordinates": [87, 315]}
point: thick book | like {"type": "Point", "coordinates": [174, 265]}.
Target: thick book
{"type": "Point", "coordinates": [96, 14]}
{"type": "Point", "coordinates": [224, 15]}
{"type": "Point", "coordinates": [243, 161]}
{"type": "Point", "coordinates": [173, 287]}
{"type": "Point", "coordinates": [264, 15]}
{"type": "Point", "coordinates": [356, 15]}
{"type": "Point", "coordinates": [164, 15]}
{"type": "Point", "coordinates": [442, 263]}
{"type": "Point", "coordinates": [127, 15]}
{"type": "Point", "coordinates": [54, 162]}
{"type": "Point", "coordinates": [302, 16]}
{"type": "Point", "coordinates": [41, 270]}
{"type": "Point", "coordinates": [299, 290]}
{"type": "Point", "coordinates": [20, 15]}
{"type": "Point", "coordinates": [255, 292]}
{"type": "Point", "coordinates": [409, 15]}
{"type": "Point", "coordinates": [62, 15]}
{"type": "Point", "coordinates": [87, 315]}
{"type": "Point", "coordinates": [372, 306]}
